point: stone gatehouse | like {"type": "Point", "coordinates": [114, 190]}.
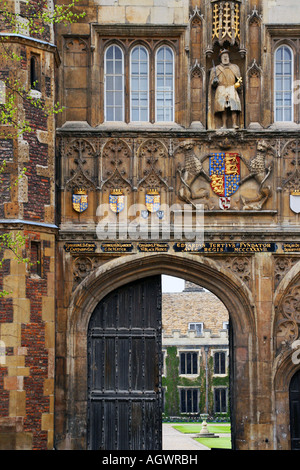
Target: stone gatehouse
{"type": "Point", "coordinates": [180, 117]}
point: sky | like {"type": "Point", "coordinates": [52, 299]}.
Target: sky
{"type": "Point", "coordinates": [172, 284]}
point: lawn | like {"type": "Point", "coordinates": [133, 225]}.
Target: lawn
{"type": "Point", "coordinates": [215, 442]}
{"type": "Point", "coordinates": [196, 428]}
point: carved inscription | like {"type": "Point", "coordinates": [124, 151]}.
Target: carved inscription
{"type": "Point", "coordinates": [225, 247]}
{"type": "Point", "coordinates": [84, 247]}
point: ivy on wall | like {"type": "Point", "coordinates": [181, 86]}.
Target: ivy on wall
{"type": "Point", "coordinates": [172, 380]}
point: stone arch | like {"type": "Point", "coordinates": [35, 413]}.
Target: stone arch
{"type": "Point", "coordinates": [198, 269]}
{"type": "Point", "coordinates": [286, 359]}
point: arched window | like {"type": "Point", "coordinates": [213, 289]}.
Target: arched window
{"type": "Point", "coordinates": [164, 84]}
{"type": "Point", "coordinates": [284, 84]}
{"type": "Point", "coordinates": [34, 73]}
{"type": "Point", "coordinates": [114, 84]}
{"type": "Point", "coordinates": [139, 84]}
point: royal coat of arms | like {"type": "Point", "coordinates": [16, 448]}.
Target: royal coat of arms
{"type": "Point", "coordinates": [225, 174]}
{"type": "Point", "coordinates": [80, 200]}
{"type": "Point", "coordinates": [152, 200]}
{"type": "Point", "coordinates": [116, 200]}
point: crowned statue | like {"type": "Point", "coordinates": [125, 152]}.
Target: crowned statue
{"type": "Point", "coordinates": [224, 87]}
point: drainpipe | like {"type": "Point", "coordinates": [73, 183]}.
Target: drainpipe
{"type": "Point", "coordinates": [206, 348]}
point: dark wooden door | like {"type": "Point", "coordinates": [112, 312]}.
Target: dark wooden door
{"type": "Point", "coordinates": [124, 369]}
{"type": "Point", "coordinates": [295, 411]}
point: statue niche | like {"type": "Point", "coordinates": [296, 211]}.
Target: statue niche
{"type": "Point", "coordinates": [224, 101]}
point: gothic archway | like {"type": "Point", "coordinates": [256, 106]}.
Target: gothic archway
{"type": "Point", "coordinates": [200, 270]}
{"type": "Point", "coordinates": [286, 345]}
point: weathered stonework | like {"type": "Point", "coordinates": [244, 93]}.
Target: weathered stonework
{"type": "Point", "coordinates": [250, 256]}
{"type": "Point", "coordinates": [27, 324]}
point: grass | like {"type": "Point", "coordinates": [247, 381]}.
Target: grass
{"type": "Point", "coordinates": [211, 442]}
{"type": "Point", "coordinates": [196, 428]}
{"type": "Point", "coordinates": [215, 442]}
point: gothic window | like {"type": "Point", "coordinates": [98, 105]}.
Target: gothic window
{"type": "Point", "coordinates": [188, 363]}
{"type": "Point", "coordinates": [283, 84]}
{"type": "Point", "coordinates": [220, 362]}
{"type": "Point", "coordinates": [220, 400]}
{"type": "Point", "coordinates": [189, 399]}
{"type": "Point", "coordinates": [139, 84]}
{"type": "Point", "coordinates": [164, 84]}
{"type": "Point", "coordinates": [114, 84]}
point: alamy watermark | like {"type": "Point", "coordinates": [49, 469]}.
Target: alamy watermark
{"type": "Point", "coordinates": [138, 222]}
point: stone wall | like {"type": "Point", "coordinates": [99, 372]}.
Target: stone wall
{"type": "Point", "coordinates": [181, 308]}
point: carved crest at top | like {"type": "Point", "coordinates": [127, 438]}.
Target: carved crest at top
{"type": "Point", "coordinates": [226, 22]}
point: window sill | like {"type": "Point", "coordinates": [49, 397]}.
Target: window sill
{"type": "Point", "coordinates": [284, 125]}
{"type": "Point", "coordinates": [139, 125]}
{"type": "Point", "coordinates": [189, 376]}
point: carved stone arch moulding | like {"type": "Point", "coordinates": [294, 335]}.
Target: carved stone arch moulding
{"type": "Point", "coordinates": [80, 181]}
{"type": "Point", "coordinates": [153, 163]}
{"type": "Point", "coordinates": [283, 265]}
{"type": "Point", "coordinates": [83, 266]}
{"type": "Point", "coordinates": [116, 158]}
{"type": "Point", "coordinates": [196, 17]}
{"type": "Point", "coordinates": [254, 70]}
{"type": "Point", "coordinates": [80, 163]}
{"type": "Point", "coordinates": [287, 320]}
{"type": "Point", "coordinates": [255, 17]}
{"type": "Point", "coordinates": [76, 45]}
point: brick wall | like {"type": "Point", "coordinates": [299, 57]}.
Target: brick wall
{"type": "Point", "coordinates": [27, 313]}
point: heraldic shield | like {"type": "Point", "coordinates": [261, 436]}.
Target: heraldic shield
{"type": "Point", "coordinates": [295, 201]}
{"type": "Point", "coordinates": [152, 200]}
{"type": "Point", "coordinates": [80, 200]}
{"type": "Point", "coordinates": [224, 170]}
{"type": "Point", "coordinates": [116, 201]}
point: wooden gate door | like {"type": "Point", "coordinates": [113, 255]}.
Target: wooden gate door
{"type": "Point", "coordinates": [295, 411]}
{"type": "Point", "coordinates": [124, 369]}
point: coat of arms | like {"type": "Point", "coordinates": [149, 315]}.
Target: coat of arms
{"type": "Point", "coordinates": [224, 171]}
{"type": "Point", "coordinates": [295, 201]}
{"type": "Point", "coordinates": [80, 200]}
{"type": "Point", "coordinates": [152, 200]}
{"type": "Point", "coordinates": [116, 201]}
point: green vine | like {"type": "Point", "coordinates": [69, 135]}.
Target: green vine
{"type": "Point", "coordinates": [172, 380]}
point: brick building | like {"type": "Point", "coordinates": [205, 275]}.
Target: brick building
{"type": "Point", "coordinates": [167, 106]}
{"type": "Point", "coordinates": [195, 344]}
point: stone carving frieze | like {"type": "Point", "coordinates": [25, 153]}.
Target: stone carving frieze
{"type": "Point", "coordinates": [191, 170]}
{"type": "Point", "coordinates": [81, 165]}
{"type": "Point", "coordinates": [196, 176]}
{"type": "Point", "coordinates": [116, 165]}
{"type": "Point", "coordinates": [241, 266]}
{"type": "Point", "coordinates": [290, 153]}
{"type": "Point", "coordinates": [288, 318]}
{"type": "Point", "coordinates": [83, 266]}
{"type": "Point", "coordinates": [282, 266]}
{"type": "Point", "coordinates": [153, 164]}
{"type": "Point", "coordinates": [259, 169]}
